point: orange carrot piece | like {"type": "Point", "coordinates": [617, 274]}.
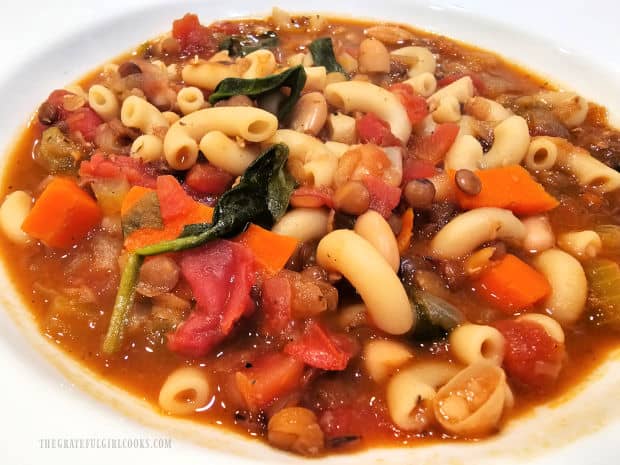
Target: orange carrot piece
{"type": "Point", "coordinates": [271, 250]}
{"type": "Point", "coordinates": [132, 197]}
{"type": "Point", "coordinates": [509, 187]}
{"type": "Point", "coordinates": [512, 285]}
{"type": "Point", "coordinates": [406, 231]}
{"type": "Point", "coordinates": [62, 215]}
{"type": "Point", "coordinates": [172, 229]}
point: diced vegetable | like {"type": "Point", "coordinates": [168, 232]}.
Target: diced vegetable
{"type": "Point", "coordinates": [509, 187]}
{"type": "Point", "coordinates": [373, 130]}
{"type": "Point", "coordinates": [110, 194]}
{"type": "Point", "coordinates": [322, 51]}
{"type": "Point", "coordinates": [383, 197]}
{"type": "Point", "coordinates": [131, 169]}
{"type": "Point", "coordinates": [271, 250]}
{"type": "Point", "coordinates": [293, 78]}
{"type": "Point", "coordinates": [320, 349]}
{"type": "Point", "coordinates": [435, 316]}
{"type": "Point", "coordinates": [193, 37]}
{"type": "Point", "coordinates": [173, 200]}
{"type": "Point", "coordinates": [604, 280]}
{"type": "Point", "coordinates": [268, 378]}
{"type": "Point", "coordinates": [85, 121]}
{"type": "Point", "coordinates": [62, 215]}
{"type": "Point", "coordinates": [276, 305]}
{"type": "Point", "coordinates": [417, 169]}
{"type": "Point", "coordinates": [261, 197]}
{"type": "Point", "coordinates": [140, 209]}
{"type": "Point", "coordinates": [123, 303]}
{"type": "Point", "coordinates": [205, 178]}
{"type": "Point", "coordinates": [416, 106]}
{"type": "Point", "coordinates": [531, 356]}
{"type": "Point", "coordinates": [610, 237]}
{"type": "Point", "coordinates": [512, 285]}
{"type": "Point", "coordinates": [240, 45]}
{"type": "Point", "coordinates": [433, 148]}
{"type": "Point", "coordinates": [406, 231]}
{"type": "Point", "coordinates": [56, 153]}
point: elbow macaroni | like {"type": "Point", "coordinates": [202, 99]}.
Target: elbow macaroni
{"type": "Point", "coordinates": [512, 140]}
{"type": "Point", "coordinates": [180, 381]}
{"type": "Point", "coordinates": [103, 101]}
{"type": "Point", "coordinates": [138, 113]}
{"type": "Point", "coordinates": [472, 343]}
{"type": "Point", "coordinates": [225, 153]}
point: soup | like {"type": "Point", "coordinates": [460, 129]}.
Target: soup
{"type": "Point", "coordinates": [328, 234]}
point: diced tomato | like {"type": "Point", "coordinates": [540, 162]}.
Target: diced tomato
{"type": "Point", "coordinates": [115, 167]}
{"type": "Point", "coordinates": [276, 299]}
{"type": "Point", "coordinates": [416, 106]}
{"type": "Point", "coordinates": [373, 130]}
{"type": "Point", "coordinates": [312, 197]}
{"type": "Point", "coordinates": [173, 200]}
{"type": "Point", "coordinates": [320, 349]}
{"type": "Point", "coordinates": [477, 80]}
{"type": "Point", "coordinates": [85, 121]}
{"type": "Point", "coordinates": [433, 148]}
{"type": "Point", "coordinates": [354, 420]}
{"type": "Point", "coordinates": [220, 275]}
{"type": "Point", "coordinates": [531, 356]}
{"type": "Point", "coordinates": [417, 169]}
{"type": "Point", "coordinates": [383, 197]}
{"type": "Point", "coordinates": [205, 178]}
{"type": "Point", "coordinates": [226, 27]}
{"type": "Point", "coordinates": [270, 377]}
{"type": "Point", "coordinates": [193, 37]}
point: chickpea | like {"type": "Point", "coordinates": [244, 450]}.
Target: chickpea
{"type": "Point", "coordinates": [296, 429]}
{"type": "Point", "coordinates": [373, 57]}
{"type": "Point", "coordinates": [352, 198]}
{"type": "Point", "coordinates": [310, 114]}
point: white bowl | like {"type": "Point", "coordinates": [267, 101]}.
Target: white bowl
{"type": "Point", "coordinates": [45, 408]}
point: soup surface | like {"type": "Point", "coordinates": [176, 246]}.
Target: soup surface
{"type": "Point", "coordinates": [328, 234]}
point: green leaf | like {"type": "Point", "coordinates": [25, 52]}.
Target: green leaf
{"type": "Point", "coordinates": [241, 45]}
{"type": "Point", "coordinates": [261, 197]}
{"type": "Point", "coordinates": [145, 213]}
{"type": "Point", "coordinates": [322, 51]}
{"type": "Point", "coordinates": [435, 316]}
{"type": "Point", "coordinates": [293, 78]}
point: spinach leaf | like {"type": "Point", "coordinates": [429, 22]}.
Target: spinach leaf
{"type": "Point", "coordinates": [322, 51]}
{"type": "Point", "coordinates": [241, 45]}
{"type": "Point", "coordinates": [293, 78]}
{"type": "Point", "coordinates": [435, 316]}
{"type": "Point", "coordinates": [261, 197]}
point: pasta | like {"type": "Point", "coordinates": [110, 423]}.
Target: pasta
{"type": "Point", "coordinates": [181, 141]}
{"type": "Point", "coordinates": [472, 343]}
{"type": "Point", "coordinates": [354, 257]}
{"type": "Point", "coordinates": [511, 142]}
{"type": "Point", "coordinates": [190, 382]}
{"type": "Point", "coordinates": [568, 283]}
{"type": "Point", "coordinates": [327, 234]}
{"type": "Point", "coordinates": [364, 96]}
{"type": "Point", "coordinates": [474, 228]}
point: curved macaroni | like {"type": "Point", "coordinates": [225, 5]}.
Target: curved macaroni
{"type": "Point", "coordinates": [472, 343]}
{"type": "Point", "coordinates": [373, 227]}
{"type": "Point", "coordinates": [581, 244]}
{"type": "Point", "coordinates": [470, 229]}
{"type": "Point", "coordinates": [138, 113]}
{"type": "Point", "coordinates": [382, 357]}
{"type": "Point", "coordinates": [181, 141]}
{"type": "Point", "coordinates": [147, 147]}
{"type": "Point", "coordinates": [225, 153]}
{"type": "Point", "coordinates": [423, 84]}
{"type": "Point", "coordinates": [420, 59]}
{"type": "Point", "coordinates": [103, 101]}
{"type": "Point", "coordinates": [512, 139]}
{"type": "Point", "coordinates": [179, 383]}
{"type": "Point", "coordinates": [485, 109]}
{"type": "Point", "coordinates": [569, 287]}
{"type": "Point", "coordinates": [367, 97]}
{"type": "Point", "coordinates": [448, 110]}
{"type": "Point", "coordinates": [461, 89]}
{"type": "Point", "coordinates": [589, 171]}
{"type": "Point", "coordinates": [190, 99]}
{"type": "Point", "coordinates": [261, 63]}
{"type": "Point", "coordinates": [208, 74]}
{"type": "Point", "coordinates": [465, 153]}
{"type": "Point", "coordinates": [542, 153]}
{"type": "Point", "coordinates": [378, 285]}
{"type": "Point", "coordinates": [305, 224]}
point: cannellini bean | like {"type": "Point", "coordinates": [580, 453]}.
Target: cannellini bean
{"type": "Point", "coordinates": [13, 212]}
{"type": "Point", "coordinates": [310, 114]}
{"type": "Point", "coordinates": [373, 57]}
